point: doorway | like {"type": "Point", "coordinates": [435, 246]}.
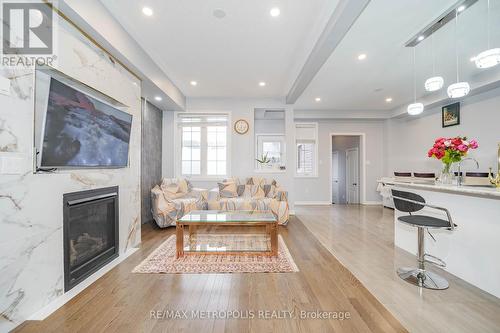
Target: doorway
{"type": "Point", "coordinates": [345, 169]}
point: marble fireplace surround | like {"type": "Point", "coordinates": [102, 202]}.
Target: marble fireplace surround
{"type": "Point", "coordinates": [31, 219]}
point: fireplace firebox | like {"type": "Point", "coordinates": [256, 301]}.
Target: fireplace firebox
{"type": "Point", "coordinates": [90, 232]}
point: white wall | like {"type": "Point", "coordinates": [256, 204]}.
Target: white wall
{"type": "Point", "coordinates": [31, 218]}
{"type": "Point", "coordinates": [318, 189]}
{"type": "Point", "coordinates": [243, 153]}
{"type": "Point", "coordinates": [409, 139]}
{"type": "Point", "coordinates": [242, 146]}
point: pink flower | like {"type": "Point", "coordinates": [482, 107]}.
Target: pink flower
{"type": "Point", "coordinates": [473, 144]}
{"type": "Point", "coordinates": [462, 148]}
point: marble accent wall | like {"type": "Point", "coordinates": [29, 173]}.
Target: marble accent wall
{"type": "Point", "coordinates": [150, 155]}
{"type": "Point", "coordinates": [31, 212]}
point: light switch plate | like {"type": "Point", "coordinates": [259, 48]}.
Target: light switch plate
{"type": "Point", "coordinates": [4, 86]}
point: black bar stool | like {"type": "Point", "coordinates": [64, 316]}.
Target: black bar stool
{"type": "Point", "coordinates": [408, 202]}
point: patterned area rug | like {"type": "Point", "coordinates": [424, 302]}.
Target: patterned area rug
{"type": "Point", "coordinates": [162, 260]}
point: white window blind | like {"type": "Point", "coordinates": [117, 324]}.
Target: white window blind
{"type": "Point", "coordinates": [306, 144]}
{"type": "Point", "coordinates": [204, 141]}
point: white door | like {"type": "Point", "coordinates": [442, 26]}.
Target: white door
{"type": "Point", "coordinates": [352, 175]}
{"type": "Point", "coordinates": [335, 177]}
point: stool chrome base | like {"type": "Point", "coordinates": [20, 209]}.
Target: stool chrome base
{"type": "Point", "coordinates": [423, 278]}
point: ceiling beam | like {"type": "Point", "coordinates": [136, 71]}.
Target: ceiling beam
{"type": "Point", "coordinates": [343, 17]}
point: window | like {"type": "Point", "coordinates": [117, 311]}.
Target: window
{"type": "Point", "coordinates": [270, 140]}
{"type": "Point", "coordinates": [306, 140]}
{"type": "Point", "coordinates": [203, 145]}
{"type": "Point", "coordinates": [272, 146]}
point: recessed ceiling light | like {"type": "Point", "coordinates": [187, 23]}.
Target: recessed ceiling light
{"type": "Point", "coordinates": [388, 99]}
{"type": "Point", "coordinates": [147, 11]}
{"type": "Point", "coordinates": [461, 9]}
{"type": "Point", "coordinates": [262, 84]}
{"type": "Point", "coordinates": [275, 12]}
{"type": "Point", "coordinates": [318, 99]}
{"type": "Point", "coordinates": [421, 38]}
{"type": "Point", "coordinates": [219, 13]}
{"type": "Point", "coordinates": [193, 83]}
{"type": "Point", "coordinates": [158, 98]}
{"type": "Point", "coordinates": [362, 56]}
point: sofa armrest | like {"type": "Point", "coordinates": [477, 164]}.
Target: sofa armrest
{"type": "Point", "coordinates": [213, 194]}
{"type": "Point", "coordinates": [282, 195]}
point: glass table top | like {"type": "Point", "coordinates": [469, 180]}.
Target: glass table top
{"type": "Point", "coordinates": [219, 216]}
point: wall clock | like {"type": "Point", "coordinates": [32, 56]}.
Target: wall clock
{"type": "Point", "coordinates": [241, 126]}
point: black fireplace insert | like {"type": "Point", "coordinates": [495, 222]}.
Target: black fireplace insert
{"type": "Point", "coordinates": [90, 232]}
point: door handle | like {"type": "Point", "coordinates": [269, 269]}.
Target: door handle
{"type": "Point", "coordinates": [355, 184]}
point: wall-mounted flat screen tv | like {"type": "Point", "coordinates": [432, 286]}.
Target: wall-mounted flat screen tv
{"type": "Point", "coordinates": [80, 131]}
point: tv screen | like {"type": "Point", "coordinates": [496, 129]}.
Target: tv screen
{"type": "Point", "coordinates": [81, 131]}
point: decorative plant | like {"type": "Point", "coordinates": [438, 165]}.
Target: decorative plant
{"type": "Point", "coordinates": [451, 150]}
{"type": "Point", "coordinates": [264, 159]}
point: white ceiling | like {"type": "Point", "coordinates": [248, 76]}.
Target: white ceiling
{"type": "Point", "coordinates": [345, 83]}
{"type": "Point", "coordinates": [229, 56]}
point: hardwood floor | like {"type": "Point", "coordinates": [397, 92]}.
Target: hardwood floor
{"type": "Point", "coordinates": [122, 302]}
{"type": "Point", "coordinates": [362, 238]}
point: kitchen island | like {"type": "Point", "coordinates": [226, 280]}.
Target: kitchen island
{"type": "Point", "coordinates": [472, 250]}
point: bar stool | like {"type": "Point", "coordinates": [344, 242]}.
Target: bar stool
{"type": "Point", "coordinates": [410, 203]}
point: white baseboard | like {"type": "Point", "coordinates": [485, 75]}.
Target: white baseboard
{"type": "Point", "coordinates": [66, 297]}
{"type": "Point", "coordinates": [372, 203]}
{"type": "Point", "coordinates": [312, 203]}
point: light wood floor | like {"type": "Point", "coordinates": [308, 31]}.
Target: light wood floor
{"type": "Point", "coordinates": [362, 238]}
{"type": "Point", "coordinates": [121, 301]}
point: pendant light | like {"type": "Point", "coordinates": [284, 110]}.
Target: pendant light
{"type": "Point", "coordinates": [415, 108]}
{"type": "Point", "coordinates": [490, 57]}
{"type": "Point", "coordinates": [435, 82]}
{"type": "Point", "coordinates": [458, 89]}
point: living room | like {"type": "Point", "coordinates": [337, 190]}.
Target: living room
{"type": "Point", "coordinates": [238, 166]}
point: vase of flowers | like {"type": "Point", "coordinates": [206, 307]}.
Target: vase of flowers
{"type": "Point", "coordinates": [449, 151]}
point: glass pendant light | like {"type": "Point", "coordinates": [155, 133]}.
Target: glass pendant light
{"type": "Point", "coordinates": [459, 89]}
{"type": "Point", "coordinates": [436, 82]}
{"type": "Point", "coordinates": [490, 57]}
{"type": "Point", "coordinates": [415, 108]}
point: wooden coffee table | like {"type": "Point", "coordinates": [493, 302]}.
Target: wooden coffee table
{"type": "Point", "coordinates": [198, 218]}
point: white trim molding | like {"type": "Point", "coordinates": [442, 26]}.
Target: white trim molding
{"type": "Point", "coordinates": [362, 147]}
{"type": "Point", "coordinates": [67, 296]}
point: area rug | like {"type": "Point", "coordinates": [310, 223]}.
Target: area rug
{"type": "Point", "coordinates": [162, 260]}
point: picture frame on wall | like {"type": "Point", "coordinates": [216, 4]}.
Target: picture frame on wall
{"type": "Point", "coordinates": [450, 115]}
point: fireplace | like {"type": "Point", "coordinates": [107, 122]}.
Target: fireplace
{"type": "Point", "coordinates": [90, 232]}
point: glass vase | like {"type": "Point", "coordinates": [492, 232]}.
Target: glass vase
{"type": "Point", "coordinates": [446, 176]}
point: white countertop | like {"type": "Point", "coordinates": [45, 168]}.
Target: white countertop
{"type": "Point", "coordinates": [488, 192]}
